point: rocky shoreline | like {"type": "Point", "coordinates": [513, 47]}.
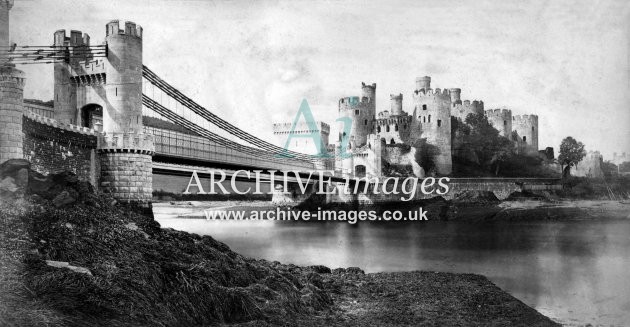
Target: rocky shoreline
{"type": "Point", "coordinates": [71, 257]}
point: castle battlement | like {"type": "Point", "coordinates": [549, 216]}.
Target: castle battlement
{"type": "Point", "coordinates": [525, 119]}
{"type": "Point", "coordinates": [430, 93]}
{"type": "Point", "coordinates": [65, 126]}
{"type": "Point", "coordinates": [130, 29]}
{"type": "Point", "coordinates": [301, 127]}
{"type": "Point", "coordinates": [7, 3]}
{"type": "Point", "coordinates": [390, 120]}
{"type": "Point", "coordinates": [498, 112]}
{"type": "Point", "coordinates": [126, 142]}
{"type": "Point", "coordinates": [76, 38]}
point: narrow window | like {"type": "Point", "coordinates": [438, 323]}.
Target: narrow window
{"type": "Point", "coordinates": [392, 141]}
{"type": "Point", "coordinates": [366, 122]}
{"type": "Point", "coordinates": [429, 118]}
{"type": "Point", "coordinates": [424, 119]}
{"type": "Point", "coordinates": [378, 129]}
{"type": "Point", "coordinates": [356, 112]}
{"type": "Point", "coordinates": [405, 127]}
{"type": "Point", "coordinates": [387, 128]}
{"type": "Point", "coordinates": [505, 123]}
{"type": "Point", "coordinates": [424, 107]}
{"type": "Point", "coordinates": [532, 128]}
{"type": "Point", "coordinates": [396, 128]}
{"type": "Point", "coordinates": [116, 91]}
{"type": "Point", "coordinates": [439, 123]}
{"type": "Point", "coordinates": [524, 138]}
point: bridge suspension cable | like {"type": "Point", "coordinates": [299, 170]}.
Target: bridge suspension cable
{"type": "Point", "coordinates": [24, 55]}
{"type": "Point", "coordinates": [219, 122]}
{"type": "Point", "coordinates": [178, 119]}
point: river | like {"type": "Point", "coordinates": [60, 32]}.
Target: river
{"type": "Point", "coordinates": [573, 271]}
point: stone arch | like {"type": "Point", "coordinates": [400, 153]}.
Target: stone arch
{"type": "Point", "coordinates": [91, 115]}
{"type": "Point", "coordinates": [392, 141]}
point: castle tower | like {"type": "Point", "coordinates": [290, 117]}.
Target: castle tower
{"type": "Point", "coordinates": [527, 128]}
{"type": "Point", "coordinates": [124, 150]}
{"type": "Point", "coordinates": [432, 114]}
{"type": "Point", "coordinates": [423, 83]}
{"type": "Point", "coordinates": [456, 96]}
{"type": "Point", "coordinates": [501, 119]}
{"type": "Point", "coordinates": [396, 104]}
{"type": "Point", "coordinates": [65, 100]}
{"type": "Point", "coordinates": [11, 95]}
{"type": "Point", "coordinates": [362, 112]}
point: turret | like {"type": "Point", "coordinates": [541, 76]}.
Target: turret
{"type": "Point", "coordinates": [5, 7]}
{"type": "Point", "coordinates": [362, 111]}
{"type": "Point", "coordinates": [123, 113]}
{"type": "Point", "coordinates": [527, 128]}
{"type": "Point", "coordinates": [423, 83]}
{"type": "Point", "coordinates": [456, 96]}
{"type": "Point", "coordinates": [396, 104]}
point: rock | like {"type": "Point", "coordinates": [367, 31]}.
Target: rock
{"type": "Point", "coordinates": [320, 269]}
{"type": "Point", "coordinates": [11, 167]}
{"type": "Point", "coordinates": [355, 270]}
{"type": "Point", "coordinates": [21, 178]}
{"type": "Point", "coordinates": [64, 198]}
{"type": "Point", "coordinates": [63, 264]}
{"type": "Point", "coordinates": [338, 271]}
{"type": "Point", "coordinates": [8, 185]}
{"type": "Point", "coordinates": [131, 226]}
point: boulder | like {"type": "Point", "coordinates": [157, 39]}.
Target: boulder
{"type": "Point", "coordinates": [65, 197]}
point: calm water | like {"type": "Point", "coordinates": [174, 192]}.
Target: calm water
{"type": "Point", "coordinates": [575, 272]}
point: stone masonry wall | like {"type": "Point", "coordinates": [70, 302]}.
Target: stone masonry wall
{"type": "Point", "coordinates": [127, 176]}
{"type": "Point", "coordinates": [53, 150]}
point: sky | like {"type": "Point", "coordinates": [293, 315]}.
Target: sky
{"type": "Point", "coordinates": [252, 62]}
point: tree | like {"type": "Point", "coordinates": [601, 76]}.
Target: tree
{"type": "Point", "coordinates": [492, 149]}
{"type": "Point", "coordinates": [571, 153]}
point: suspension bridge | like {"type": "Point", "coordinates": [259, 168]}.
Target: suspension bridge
{"type": "Point", "coordinates": [107, 91]}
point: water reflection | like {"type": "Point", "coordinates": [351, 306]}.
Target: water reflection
{"type": "Point", "coordinates": [574, 271]}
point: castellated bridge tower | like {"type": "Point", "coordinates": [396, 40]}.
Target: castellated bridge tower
{"type": "Point", "coordinates": [124, 150]}
{"type": "Point", "coordinates": [501, 119]}
{"type": "Point", "coordinates": [362, 111]}
{"type": "Point", "coordinates": [432, 117]}
{"type": "Point", "coordinates": [11, 95]}
{"type": "Point", "coordinates": [527, 128]}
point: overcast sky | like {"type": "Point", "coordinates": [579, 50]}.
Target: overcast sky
{"type": "Point", "coordinates": [252, 62]}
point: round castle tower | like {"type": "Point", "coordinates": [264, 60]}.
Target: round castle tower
{"type": "Point", "coordinates": [527, 128]}
{"type": "Point", "coordinates": [11, 95]}
{"type": "Point", "coordinates": [501, 119]}
{"type": "Point", "coordinates": [432, 117]}
{"type": "Point", "coordinates": [362, 111]}
{"type": "Point", "coordinates": [396, 104]}
{"type": "Point", "coordinates": [125, 151]}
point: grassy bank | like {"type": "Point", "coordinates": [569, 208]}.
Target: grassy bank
{"type": "Point", "coordinates": [74, 258]}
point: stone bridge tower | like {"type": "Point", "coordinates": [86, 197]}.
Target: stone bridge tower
{"type": "Point", "coordinates": [11, 94]}
{"type": "Point", "coordinates": [124, 149]}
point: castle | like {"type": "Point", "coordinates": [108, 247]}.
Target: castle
{"type": "Point", "coordinates": [376, 138]}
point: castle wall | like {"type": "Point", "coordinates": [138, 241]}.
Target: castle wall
{"type": "Point", "coordinates": [392, 129]}
{"type": "Point", "coordinates": [52, 149]}
{"type": "Point", "coordinates": [461, 110]}
{"type": "Point", "coordinates": [590, 166]}
{"type": "Point", "coordinates": [305, 145]}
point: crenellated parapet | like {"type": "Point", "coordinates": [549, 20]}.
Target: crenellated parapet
{"type": "Point", "coordinates": [60, 125]}
{"type": "Point", "coordinates": [461, 109]}
{"type": "Point", "coordinates": [8, 4]}
{"type": "Point", "coordinates": [140, 143]}
{"type": "Point", "coordinates": [129, 29]}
